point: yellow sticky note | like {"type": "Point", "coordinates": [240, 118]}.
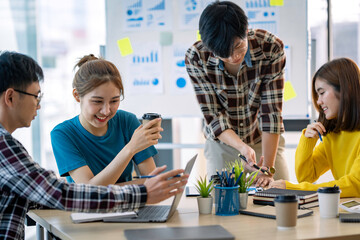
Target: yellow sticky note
{"type": "Point", "coordinates": [276, 2]}
{"type": "Point", "coordinates": [198, 36]}
{"type": "Point", "coordinates": [289, 91]}
{"type": "Point", "coordinates": [125, 47]}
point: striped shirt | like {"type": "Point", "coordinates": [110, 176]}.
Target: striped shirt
{"type": "Point", "coordinates": [249, 103]}
{"type": "Point", "coordinates": [23, 182]}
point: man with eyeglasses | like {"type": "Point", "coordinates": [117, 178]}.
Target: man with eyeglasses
{"type": "Point", "coordinates": [38, 97]}
{"type": "Point", "coordinates": [238, 77]}
{"type": "Point", "coordinates": [23, 182]}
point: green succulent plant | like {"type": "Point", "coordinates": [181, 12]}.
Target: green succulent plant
{"type": "Point", "coordinates": [203, 187]}
{"type": "Point", "coordinates": [246, 179]}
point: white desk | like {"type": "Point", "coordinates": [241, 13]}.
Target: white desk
{"type": "Point", "coordinates": [241, 226]}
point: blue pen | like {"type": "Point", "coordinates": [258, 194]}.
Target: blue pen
{"type": "Point", "coordinates": [319, 133]}
{"type": "Point", "coordinates": [320, 136]}
{"type": "Point", "coordinates": [238, 179]}
{"type": "Point", "coordinates": [229, 180]}
{"type": "Point", "coordinates": [151, 176]}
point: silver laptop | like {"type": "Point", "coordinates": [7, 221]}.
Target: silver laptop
{"type": "Point", "coordinates": [157, 213]}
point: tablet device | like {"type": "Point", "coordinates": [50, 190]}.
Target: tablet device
{"type": "Point", "coordinates": [351, 206]}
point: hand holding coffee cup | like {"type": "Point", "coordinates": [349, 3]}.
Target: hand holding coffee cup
{"type": "Point", "coordinates": [329, 199]}
{"type": "Point", "coordinates": [147, 134]}
{"type": "Point", "coordinates": [147, 117]}
{"type": "Point", "coordinates": [152, 122]}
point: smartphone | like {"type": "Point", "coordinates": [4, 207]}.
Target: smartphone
{"type": "Point", "coordinates": [351, 206]}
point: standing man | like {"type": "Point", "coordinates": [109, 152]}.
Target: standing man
{"type": "Point", "coordinates": [23, 181]}
{"type": "Point", "coordinates": [238, 77]}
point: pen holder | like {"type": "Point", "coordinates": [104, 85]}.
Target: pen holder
{"type": "Point", "coordinates": [227, 200]}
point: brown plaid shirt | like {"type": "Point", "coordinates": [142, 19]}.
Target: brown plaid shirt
{"type": "Point", "coordinates": [249, 103]}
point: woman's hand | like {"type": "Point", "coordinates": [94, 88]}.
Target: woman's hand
{"type": "Point", "coordinates": [314, 129]}
{"type": "Point", "coordinates": [278, 184]}
{"type": "Point", "coordinates": [146, 135]}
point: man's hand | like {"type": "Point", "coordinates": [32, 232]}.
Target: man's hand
{"type": "Point", "coordinates": [164, 185]}
{"type": "Point", "coordinates": [250, 156]}
{"type": "Point", "coordinates": [278, 184]}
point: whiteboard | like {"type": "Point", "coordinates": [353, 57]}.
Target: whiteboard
{"type": "Point", "coordinates": [292, 28]}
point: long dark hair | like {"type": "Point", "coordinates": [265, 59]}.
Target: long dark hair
{"type": "Point", "coordinates": [344, 76]}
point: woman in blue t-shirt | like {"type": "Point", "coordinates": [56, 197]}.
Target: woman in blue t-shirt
{"type": "Point", "coordinates": [97, 146]}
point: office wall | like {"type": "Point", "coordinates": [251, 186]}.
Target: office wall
{"type": "Point", "coordinates": [169, 39]}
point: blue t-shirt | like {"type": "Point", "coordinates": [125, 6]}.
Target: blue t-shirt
{"type": "Point", "coordinates": [74, 146]}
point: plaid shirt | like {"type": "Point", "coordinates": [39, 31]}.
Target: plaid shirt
{"type": "Point", "coordinates": [22, 182]}
{"type": "Point", "coordinates": [249, 103]}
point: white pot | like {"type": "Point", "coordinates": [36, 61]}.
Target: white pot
{"type": "Point", "coordinates": [205, 205]}
{"type": "Point", "coordinates": [243, 200]}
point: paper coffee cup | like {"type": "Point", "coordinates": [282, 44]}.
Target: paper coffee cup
{"type": "Point", "coordinates": [286, 207]}
{"type": "Point", "coordinates": [329, 199]}
{"type": "Point", "coordinates": [150, 116]}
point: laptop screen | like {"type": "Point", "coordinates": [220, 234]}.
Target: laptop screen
{"type": "Point", "coordinates": [178, 196]}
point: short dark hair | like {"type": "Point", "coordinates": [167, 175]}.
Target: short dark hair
{"type": "Point", "coordinates": [220, 23]}
{"type": "Point", "coordinates": [344, 76]}
{"type": "Point", "coordinates": [18, 71]}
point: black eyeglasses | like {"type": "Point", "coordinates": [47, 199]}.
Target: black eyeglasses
{"type": "Point", "coordinates": [38, 97]}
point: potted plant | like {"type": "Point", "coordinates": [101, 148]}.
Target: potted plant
{"type": "Point", "coordinates": [244, 180]}
{"type": "Point", "coordinates": [205, 201]}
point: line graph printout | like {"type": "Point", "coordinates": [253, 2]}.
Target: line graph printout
{"type": "Point", "coordinates": [146, 15]}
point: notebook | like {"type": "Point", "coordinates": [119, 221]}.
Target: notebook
{"type": "Point", "coordinates": [211, 232]}
{"type": "Point", "coordinates": [269, 212]}
{"type": "Point", "coordinates": [267, 197]}
{"type": "Point", "coordinates": [273, 192]}
{"type": "Point", "coordinates": [349, 217]}
{"type": "Point", "coordinates": [157, 213]}
{"type": "Point", "coordinates": [93, 217]}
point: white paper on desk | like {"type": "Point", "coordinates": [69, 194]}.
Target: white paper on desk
{"type": "Point", "coordinates": [91, 217]}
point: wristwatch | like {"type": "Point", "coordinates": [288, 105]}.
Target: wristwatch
{"type": "Point", "coordinates": [271, 170]}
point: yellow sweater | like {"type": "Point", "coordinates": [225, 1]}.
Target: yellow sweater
{"type": "Point", "coordinates": [339, 152]}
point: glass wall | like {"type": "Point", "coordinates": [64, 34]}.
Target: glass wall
{"type": "Point", "coordinates": [67, 31]}
{"type": "Point", "coordinates": [57, 34]}
{"type": "Point", "coordinates": [317, 12]}
{"type": "Point", "coordinates": [345, 23]}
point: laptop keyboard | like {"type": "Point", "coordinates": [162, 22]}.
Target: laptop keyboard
{"type": "Point", "coordinates": [154, 212]}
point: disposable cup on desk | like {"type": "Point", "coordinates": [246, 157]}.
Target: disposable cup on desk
{"type": "Point", "coordinates": [227, 200]}
{"type": "Point", "coordinates": [329, 199]}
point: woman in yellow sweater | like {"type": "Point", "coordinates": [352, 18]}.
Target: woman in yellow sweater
{"type": "Point", "coordinates": [336, 96]}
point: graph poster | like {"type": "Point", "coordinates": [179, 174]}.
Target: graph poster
{"type": "Point", "coordinates": [146, 15]}
{"type": "Point", "coordinates": [262, 15]}
{"type": "Point", "coordinates": [189, 13]}
{"type": "Point", "coordinates": [144, 71]}
{"type": "Point", "coordinates": [180, 81]}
